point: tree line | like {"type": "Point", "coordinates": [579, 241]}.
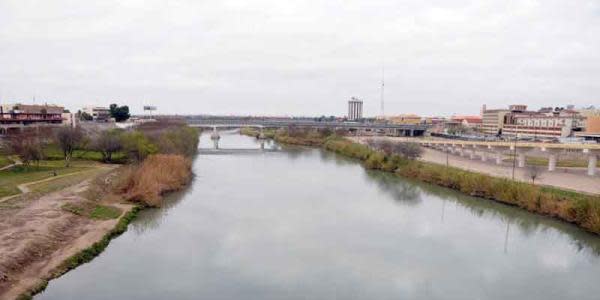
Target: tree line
{"type": "Point", "coordinates": [31, 146]}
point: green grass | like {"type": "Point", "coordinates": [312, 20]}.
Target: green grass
{"type": "Point", "coordinates": [102, 212]}
{"type": "Point", "coordinates": [74, 209]}
{"type": "Point", "coordinates": [9, 179]}
{"type": "Point", "coordinates": [64, 182]}
{"type": "Point", "coordinates": [565, 163]}
{"type": "Point", "coordinates": [4, 161]}
{"type": "Point", "coordinates": [53, 152]}
{"type": "Point", "coordinates": [93, 211]}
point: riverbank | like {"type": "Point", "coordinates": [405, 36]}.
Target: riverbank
{"type": "Point", "coordinates": [39, 230]}
{"type": "Point", "coordinates": [576, 208]}
{"type": "Point", "coordinates": [61, 222]}
{"type": "Point", "coordinates": [45, 237]}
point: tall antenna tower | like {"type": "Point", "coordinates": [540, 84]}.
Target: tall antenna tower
{"type": "Point", "coordinates": [382, 107]}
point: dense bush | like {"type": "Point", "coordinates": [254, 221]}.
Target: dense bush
{"type": "Point", "coordinates": [156, 175]}
{"type": "Point", "coordinates": [178, 140]}
{"type": "Point", "coordinates": [138, 146]}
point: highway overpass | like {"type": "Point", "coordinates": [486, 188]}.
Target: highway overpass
{"type": "Point", "coordinates": [215, 122]}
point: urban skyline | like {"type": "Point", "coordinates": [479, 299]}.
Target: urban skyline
{"type": "Point", "coordinates": [304, 58]}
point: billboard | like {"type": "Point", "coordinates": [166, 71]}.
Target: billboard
{"type": "Point", "coordinates": [149, 108]}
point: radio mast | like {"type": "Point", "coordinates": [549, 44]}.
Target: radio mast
{"type": "Point", "coordinates": [382, 107]}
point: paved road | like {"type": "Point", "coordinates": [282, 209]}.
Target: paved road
{"type": "Point", "coordinates": [566, 178]}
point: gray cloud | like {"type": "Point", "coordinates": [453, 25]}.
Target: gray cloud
{"type": "Point", "coordinates": [301, 57]}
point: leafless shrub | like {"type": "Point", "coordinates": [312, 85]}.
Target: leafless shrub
{"type": "Point", "coordinates": [27, 145]}
{"type": "Point", "coordinates": [107, 143]}
{"type": "Point", "coordinates": [405, 149]}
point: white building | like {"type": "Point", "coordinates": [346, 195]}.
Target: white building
{"type": "Point", "coordinates": [355, 109]}
{"type": "Point", "coordinates": [101, 114]}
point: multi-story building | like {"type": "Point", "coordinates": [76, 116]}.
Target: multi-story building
{"type": "Point", "coordinates": [26, 114]}
{"type": "Point", "coordinates": [98, 114]}
{"type": "Point", "coordinates": [492, 121]}
{"type": "Point", "coordinates": [591, 130]}
{"type": "Point", "coordinates": [545, 123]}
{"type": "Point", "coordinates": [355, 109]}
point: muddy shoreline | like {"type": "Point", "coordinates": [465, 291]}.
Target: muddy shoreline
{"type": "Point", "coordinates": [37, 233]}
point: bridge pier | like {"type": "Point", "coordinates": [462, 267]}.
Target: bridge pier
{"type": "Point", "coordinates": [552, 162]}
{"type": "Point", "coordinates": [498, 158]}
{"type": "Point", "coordinates": [521, 159]}
{"type": "Point", "coordinates": [215, 137]}
{"type": "Point", "coordinates": [592, 162]}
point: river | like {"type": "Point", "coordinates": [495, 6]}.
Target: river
{"type": "Point", "coordinates": [304, 223]}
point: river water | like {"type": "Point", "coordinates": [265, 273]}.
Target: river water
{"type": "Point", "coordinates": [307, 224]}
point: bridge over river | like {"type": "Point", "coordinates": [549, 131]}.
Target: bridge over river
{"type": "Point", "coordinates": [216, 122]}
{"type": "Point", "coordinates": [224, 151]}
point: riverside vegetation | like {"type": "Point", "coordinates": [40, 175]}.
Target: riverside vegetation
{"type": "Point", "coordinates": [152, 159]}
{"type": "Point", "coordinates": [580, 209]}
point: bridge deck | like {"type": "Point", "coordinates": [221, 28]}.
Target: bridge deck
{"type": "Point", "coordinates": [212, 151]}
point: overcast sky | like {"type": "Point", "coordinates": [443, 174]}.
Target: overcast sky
{"type": "Point", "coordinates": [301, 57]}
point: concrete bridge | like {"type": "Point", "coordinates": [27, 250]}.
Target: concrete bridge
{"type": "Point", "coordinates": [485, 150]}
{"type": "Point", "coordinates": [221, 151]}
{"type": "Point", "coordinates": [216, 122]}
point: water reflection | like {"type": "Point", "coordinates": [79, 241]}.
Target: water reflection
{"type": "Point", "coordinates": [306, 224]}
{"type": "Point", "coordinates": [402, 191]}
{"type": "Point", "coordinates": [528, 224]}
{"type": "Point", "coordinates": [152, 218]}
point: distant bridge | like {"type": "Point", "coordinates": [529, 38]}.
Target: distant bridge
{"type": "Point", "coordinates": [221, 151]}
{"type": "Point", "coordinates": [216, 122]}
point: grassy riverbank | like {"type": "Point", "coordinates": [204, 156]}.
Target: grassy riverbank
{"type": "Point", "coordinates": [159, 158]}
{"type": "Point", "coordinates": [582, 210]}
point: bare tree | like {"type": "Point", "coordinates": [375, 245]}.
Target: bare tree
{"type": "Point", "coordinates": [408, 150]}
{"type": "Point", "coordinates": [27, 145]}
{"type": "Point", "coordinates": [405, 149]}
{"type": "Point", "coordinates": [107, 143]}
{"type": "Point", "coordinates": [68, 139]}
{"type": "Point", "coordinates": [533, 172]}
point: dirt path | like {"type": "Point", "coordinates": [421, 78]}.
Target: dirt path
{"type": "Point", "coordinates": [38, 235]}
